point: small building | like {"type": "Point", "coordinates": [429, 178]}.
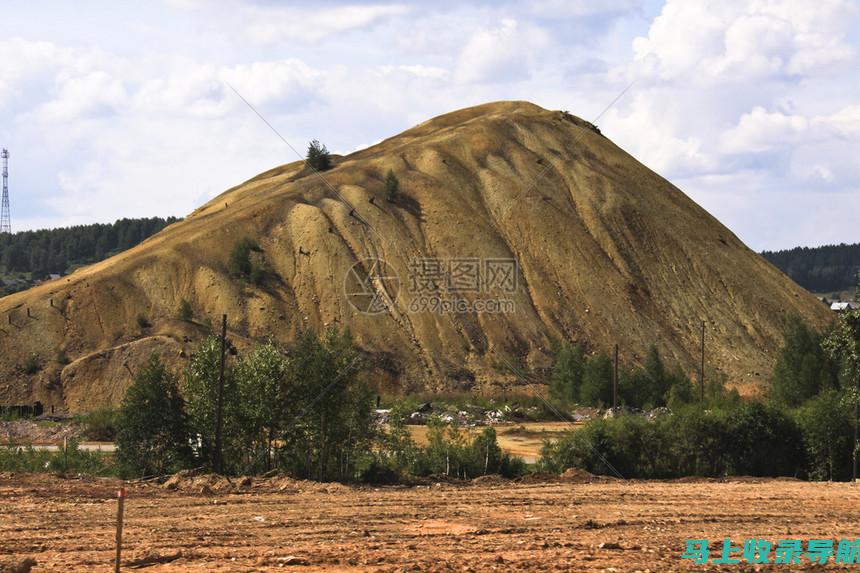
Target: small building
{"type": "Point", "coordinates": [843, 306]}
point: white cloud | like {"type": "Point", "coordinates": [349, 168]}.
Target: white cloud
{"type": "Point", "coordinates": [749, 107]}
{"type": "Point", "coordinates": [316, 23]}
{"type": "Point", "coordinates": [505, 53]}
{"type": "Point", "coordinates": [78, 97]}
{"type": "Point", "coordinates": [431, 72]}
{"type": "Point", "coordinates": [760, 130]}
{"type": "Point", "coordinates": [706, 40]}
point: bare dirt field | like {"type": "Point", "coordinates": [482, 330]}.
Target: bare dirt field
{"type": "Point", "coordinates": [581, 524]}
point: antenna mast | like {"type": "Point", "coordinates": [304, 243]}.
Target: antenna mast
{"type": "Point", "coordinates": [5, 217]}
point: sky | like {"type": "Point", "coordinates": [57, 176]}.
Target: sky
{"type": "Point", "coordinates": [122, 109]}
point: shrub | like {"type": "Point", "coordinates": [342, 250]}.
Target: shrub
{"type": "Point", "coordinates": [100, 425]}
{"type": "Point", "coordinates": [242, 264]}
{"type": "Point", "coordinates": [318, 157]}
{"type": "Point", "coordinates": [751, 439]}
{"type": "Point", "coordinates": [71, 460]}
{"type": "Point", "coordinates": [32, 365]}
{"type": "Point", "coordinates": [142, 321]}
{"type": "Point", "coordinates": [453, 452]}
{"type": "Point", "coordinates": [185, 313]}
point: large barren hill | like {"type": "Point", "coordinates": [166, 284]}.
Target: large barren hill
{"type": "Point", "coordinates": [533, 214]}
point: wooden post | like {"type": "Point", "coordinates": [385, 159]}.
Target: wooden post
{"type": "Point", "coordinates": [28, 313]}
{"type": "Point", "coordinates": [120, 495]}
{"type": "Point", "coordinates": [216, 461]}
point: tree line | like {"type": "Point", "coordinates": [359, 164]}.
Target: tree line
{"type": "Point", "coordinates": [58, 251]}
{"type": "Point", "coordinates": [831, 268]}
{"type": "Point", "coordinates": [587, 380]}
{"type": "Point", "coordinates": [306, 411]}
{"type": "Point", "coordinates": [804, 427]}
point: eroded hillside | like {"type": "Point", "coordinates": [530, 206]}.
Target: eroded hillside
{"type": "Point", "coordinates": [604, 251]}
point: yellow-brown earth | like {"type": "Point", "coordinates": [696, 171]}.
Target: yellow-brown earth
{"type": "Point", "coordinates": [606, 250]}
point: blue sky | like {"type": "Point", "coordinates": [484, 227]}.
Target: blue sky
{"type": "Point", "coordinates": [120, 109]}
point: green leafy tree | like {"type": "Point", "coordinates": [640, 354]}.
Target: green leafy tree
{"type": "Point", "coordinates": [329, 424]}
{"type": "Point", "coordinates": [765, 441]}
{"type": "Point", "coordinates": [200, 387]}
{"type": "Point", "coordinates": [261, 388]}
{"type": "Point", "coordinates": [318, 157]}
{"type": "Point", "coordinates": [567, 373]}
{"type": "Point", "coordinates": [681, 391]}
{"type": "Point", "coordinates": [826, 422]}
{"type": "Point", "coordinates": [803, 368]}
{"type": "Point", "coordinates": [392, 185]}
{"type": "Point", "coordinates": [842, 345]}
{"type": "Point", "coordinates": [596, 389]}
{"type": "Point", "coordinates": [152, 430]}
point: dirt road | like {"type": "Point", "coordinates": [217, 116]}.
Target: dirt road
{"type": "Point", "coordinates": [281, 524]}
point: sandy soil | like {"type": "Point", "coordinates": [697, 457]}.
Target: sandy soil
{"type": "Point", "coordinates": [68, 525]}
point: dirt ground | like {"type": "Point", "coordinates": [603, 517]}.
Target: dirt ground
{"type": "Point", "coordinates": [581, 524]}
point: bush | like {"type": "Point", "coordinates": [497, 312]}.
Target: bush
{"type": "Point", "coordinates": [100, 425]}
{"type": "Point", "coordinates": [32, 365]}
{"type": "Point", "coordinates": [318, 157]}
{"type": "Point", "coordinates": [142, 321]}
{"type": "Point", "coordinates": [751, 439]}
{"type": "Point", "coordinates": [185, 313]}
{"type": "Point", "coordinates": [241, 264]}
{"type": "Point", "coordinates": [152, 432]}
{"type": "Point", "coordinates": [452, 452]}
{"type": "Point", "coordinates": [71, 460]}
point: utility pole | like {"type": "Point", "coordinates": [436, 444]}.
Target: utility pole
{"type": "Point", "coordinates": [219, 413]}
{"type": "Point", "coordinates": [702, 370]}
{"type": "Point", "coordinates": [615, 381]}
{"type": "Point", "coordinates": [856, 422]}
{"type": "Point", "coordinates": [5, 217]}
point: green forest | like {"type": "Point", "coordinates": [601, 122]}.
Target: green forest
{"type": "Point", "coordinates": [831, 268]}
{"type": "Point", "coordinates": [28, 256]}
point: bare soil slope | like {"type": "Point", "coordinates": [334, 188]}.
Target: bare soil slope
{"type": "Point", "coordinates": [607, 251]}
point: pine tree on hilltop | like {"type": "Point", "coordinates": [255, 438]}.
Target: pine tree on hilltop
{"type": "Point", "coordinates": [318, 157]}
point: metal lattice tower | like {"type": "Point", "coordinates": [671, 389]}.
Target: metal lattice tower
{"type": "Point", "coordinates": [5, 217]}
